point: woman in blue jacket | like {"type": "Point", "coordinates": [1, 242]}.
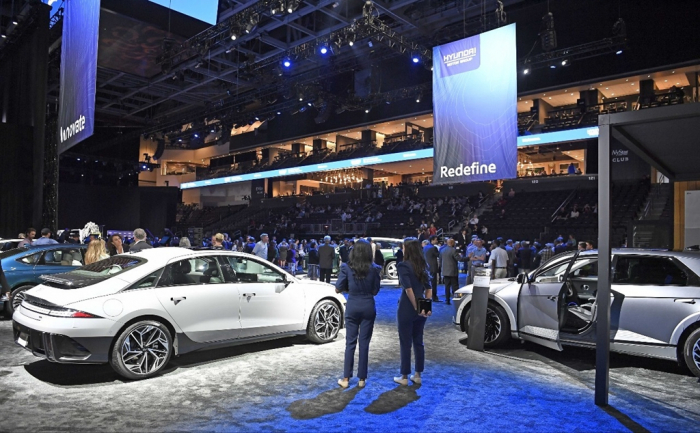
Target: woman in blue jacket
{"type": "Point", "coordinates": [415, 282]}
{"type": "Point", "coordinates": [360, 277]}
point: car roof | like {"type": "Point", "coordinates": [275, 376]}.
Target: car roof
{"type": "Point", "coordinates": [164, 255]}
{"type": "Point", "coordinates": [640, 251]}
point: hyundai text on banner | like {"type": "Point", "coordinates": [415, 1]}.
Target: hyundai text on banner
{"type": "Point", "coordinates": [76, 112]}
{"type": "Point", "coordinates": [475, 93]}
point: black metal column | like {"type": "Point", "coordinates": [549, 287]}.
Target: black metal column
{"type": "Point", "coordinates": [604, 263]}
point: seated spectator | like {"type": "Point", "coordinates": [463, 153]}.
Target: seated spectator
{"type": "Point", "coordinates": [586, 208]}
{"type": "Point", "coordinates": [511, 193]}
{"type": "Point", "coordinates": [574, 213]}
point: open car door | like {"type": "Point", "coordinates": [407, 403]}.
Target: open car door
{"type": "Point", "coordinates": [541, 307]}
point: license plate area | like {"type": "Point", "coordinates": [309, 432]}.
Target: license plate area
{"type": "Point", "coordinates": [23, 339]}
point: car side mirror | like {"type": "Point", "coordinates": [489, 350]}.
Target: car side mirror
{"type": "Point", "coordinates": [521, 278]}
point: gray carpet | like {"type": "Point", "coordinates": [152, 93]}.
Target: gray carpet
{"type": "Point", "coordinates": [290, 385]}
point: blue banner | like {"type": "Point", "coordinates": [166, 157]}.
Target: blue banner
{"type": "Point", "coordinates": [314, 168]}
{"type": "Point", "coordinates": [475, 108]}
{"type": "Point", "coordinates": [76, 112]}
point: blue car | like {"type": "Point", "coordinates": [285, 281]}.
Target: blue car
{"type": "Point", "coordinates": [24, 266]}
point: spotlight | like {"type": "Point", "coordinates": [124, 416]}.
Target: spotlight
{"type": "Point", "coordinates": [415, 57]}
{"type": "Point", "coordinates": [526, 71]}
{"type": "Point", "coordinates": [196, 135]}
{"type": "Point", "coordinates": [351, 43]}
{"type": "Point", "coordinates": [252, 24]}
{"type": "Point", "coordinates": [418, 98]}
{"type": "Point", "coordinates": [309, 104]}
{"type": "Point", "coordinates": [370, 43]}
{"type": "Point", "coordinates": [618, 52]}
{"type": "Point", "coordinates": [552, 66]}
{"type": "Point", "coordinates": [286, 62]}
{"type": "Point", "coordinates": [324, 49]}
{"type": "Point", "coordinates": [292, 6]}
{"type": "Point", "coordinates": [257, 118]}
{"type": "Point", "coordinates": [14, 20]}
{"type": "Point", "coordinates": [279, 113]}
{"type": "Point", "coordinates": [233, 35]}
{"type": "Point", "coordinates": [564, 62]}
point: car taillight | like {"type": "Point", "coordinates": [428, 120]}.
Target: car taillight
{"type": "Point", "coordinates": [67, 312]}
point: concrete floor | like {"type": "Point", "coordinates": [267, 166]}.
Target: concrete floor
{"type": "Point", "coordinates": [291, 385]}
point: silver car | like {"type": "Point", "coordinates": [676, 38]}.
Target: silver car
{"type": "Point", "coordinates": [655, 305]}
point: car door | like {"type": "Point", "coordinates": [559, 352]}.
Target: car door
{"type": "Point", "coordinates": [203, 304]}
{"type": "Point", "coordinates": [652, 295]}
{"type": "Point", "coordinates": [540, 303]}
{"type": "Point", "coordinates": [269, 303]}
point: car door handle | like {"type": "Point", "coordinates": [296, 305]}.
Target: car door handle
{"type": "Point", "coordinates": [685, 301]}
{"type": "Point", "coordinates": [248, 295]}
{"type": "Point", "coordinates": [552, 297]}
{"type": "Point", "coordinates": [586, 287]}
{"type": "Point", "coordinates": [178, 299]}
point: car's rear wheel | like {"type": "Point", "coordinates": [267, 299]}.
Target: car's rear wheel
{"type": "Point", "coordinates": [390, 270]}
{"type": "Point", "coordinates": [691, 352]}
{"type": "Point", "coordinates": [324, 322]}
{"type": "Point", "coordinates": [16, 298]}
{"type": "Point", "coordinates": [497, 325]}
{"type": "Point", "coordinates": [142, 350]}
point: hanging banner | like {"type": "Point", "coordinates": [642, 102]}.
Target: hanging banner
{"type": "Point", "coordinates": [475, 94]}
{"type": "Point", "coordinates": [76, 112]}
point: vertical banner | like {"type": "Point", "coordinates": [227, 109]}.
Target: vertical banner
{"type": "Point", "coordinates": [475, 94]}
{"type": "Point", "coordinates": [76, 112]}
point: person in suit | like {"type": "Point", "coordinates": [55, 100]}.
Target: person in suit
{"type": "Point", "coordinates": [344, 252]}
{"type": "Point", "coordinates": [139, 241]}
{"type": "Point", "coordinates": [462, 239]}
{"type": "Point", "coordinates": [361, 279]}
{"type": "Point", "coordinates": [326, 255]}
{"type": "Point", "coordinates": [415, 283]}
{"type": "Point", "coordinates": [431, 253]}
{"type": "Point", "coordinates": [525, 257]}
{"type": "Point", "coordinates": [450, 257]}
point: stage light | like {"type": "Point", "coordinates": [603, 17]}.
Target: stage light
{"type": "Point", "coordinates": [286, 63]}
{"type": "Point", "coordinates": [309, 104]}
{"type": "Point", "coordinates": [368, 109]}
{"type": "Point", "coordinates": [233, 37]}
{"type": "Point", "coordinates": [564, 62]}
{"type": "Point", "coordinates": [279, 113]}
{"type": "Point", "coordinates": [526, 71]}
{"type": "Point", "coordinates": [618, 52]}
{"type": "Point", "coordinates": [415, 57]}
{"type": "Point", "coordinates": [257, 118]}
{"type": "Point", "coordinates": [370, 43]}
{"type": "Point", "coordinates": [15, 21]}
{"type": "Point", "coordinates": [552, 66]}
{"type": "Point", "coordinates": [292, 6]}
{"type": "Point", "coordinates": [351, 43]}
{"type": "Point", "coordinates": [196, 135]}
{"type": "Point", "coordinates": [324, 49]}
{"type": "Point", "coordinates": [252, 24]}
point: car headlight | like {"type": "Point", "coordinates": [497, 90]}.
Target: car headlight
{"type": "Point", "coordinates": [458, 295]}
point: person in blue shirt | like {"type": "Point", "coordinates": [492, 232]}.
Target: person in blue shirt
{"type": "Point", "coordinates": [361, 278]}
{"type": "Point", "coordinates": [45, 238]}
{"type": "Point", "coordinates": [415, 283]}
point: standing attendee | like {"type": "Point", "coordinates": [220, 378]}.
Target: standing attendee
{"type": "Point", "coordinates": [217, 241]}
{"type": "Point", "coordinates": [261, 247]}
{"type": "Point", "coordinates": [581, 246]}
{"type": "Point", "coordinates": [499, 260]}
{"type": "Point", "coordinates": [546, 253]}
{"type": "Point", "coordinates": [45, 238]}
{"type": "Point", "coordinates": [74, 238]}
{"type": "Point", "coordinates": [399, 253]}
{"type": "Point", "coordinates": [326, 256]}
{"type": "Point", "coordinates": [250, 246]}
{"type": "Point", "coordinates": [313, 272]}
{"type": "Point", "coordinates": [95, 252]}
{"type": "Point", "coordinates": [477, 258]}
{"type": "Point", "coordinates": [415, 284]}
{"type": "Point", "coordinates": [361, 279]}
{"type": "Point", "coordinates": [430, 252]}
{"type": "Point", "coordinates": [344, 252]}
{"type": "Point", "coordinates": [283, 248]}
{"type": "Point", "coordinates": [115, 245]}
{"type": "Point", "coordinates": [525, 258]}
{"type": "Point", "coordinates": [272, 251]}
{"type": "Point", "coordinates": [184, 242]}
{"type": "Point", "coordinates": [28, 239]}
{"type": "Point", "coordinates": [449, 260]}
{"type": "Point", "coordinates": [139, 241]}
{"type": "Point", "coordinates": [462, 240]}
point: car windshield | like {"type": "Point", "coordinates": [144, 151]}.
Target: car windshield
{"type": "Point", "coordinates": [12, 252]}
{"type": "Point", "coordinates": [109, 267]}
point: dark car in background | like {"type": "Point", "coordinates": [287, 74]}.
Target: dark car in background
{"type": "Point", "coordinates": [24, 266]}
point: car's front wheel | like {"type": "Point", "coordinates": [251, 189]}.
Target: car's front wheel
{"type": "Point", "coordinates": [324, 322]}
{"type": "Point", "coordinates": [142, 350]}
{"type": "Point", "coordinates": [16, 298]}
{"type": "Point", "coordinates": [497, 325]}
{"type": "Point", "coordinates": [691, 352]}
{"type": "Point", "coordinates": [390, 271]}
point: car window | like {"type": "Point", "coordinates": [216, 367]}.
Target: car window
{"type": "Point", "coordinates": [557, 269]}
{"type": "Point", "coordinates": [62, 257]}
{"type": "Point", "coordinates": [30, 259]}
{"type": "Point", "coordinates": [252, 271]}
{"type": "Point", "coordinates": [651, 271]}
{"type": "Point", "coordinates": [585, 268]}
{"type": "Point", "coordinates": [190, 272]}
{"type": "Point", "coordinates": [148, 281]}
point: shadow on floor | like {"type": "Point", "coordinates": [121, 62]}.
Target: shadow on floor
{"type": "Point", "coordinates": [625, 420]}
{"type": "Point", "coordinates": [326, 403]}
{"type": "Point", "coordinates": [393, 400]}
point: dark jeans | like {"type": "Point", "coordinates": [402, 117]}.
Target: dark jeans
{"type": "Point", "coordinates": [359, 322]}
{"type": "Point", "coordinates": [326, 275]}
{"type": "Point", "coordinates": [434, 280]}
{"type": "Point", "coordinates": [411, 335]}
{"type": "Point", "coordinates": [451, 286]}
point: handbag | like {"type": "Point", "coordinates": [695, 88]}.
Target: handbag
{"type": "Point", "coordinates": [424, 305]}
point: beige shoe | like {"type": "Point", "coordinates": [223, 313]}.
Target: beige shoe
{"type": "Point", "coordinates": [416, 379]}
{"type": "Point", "coordinates": [343, 383]}
{"type": "Point", "coordinates": [401, 380]}
{"type": "Point", "coordinates": [361, 383]}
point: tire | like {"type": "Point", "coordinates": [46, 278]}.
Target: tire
{"type": "Point", "coordinates": [16, 298]}
{"type": "Point", "coordinates": [324, 322]}
{"type": "Point", "coordinates": [145, 359]}
{"type": "Point", "coordinates": [390, 270]}
{"type": "Point", "coordinates": [497, 325]}
{"type": "Point", "coordinates": [691, 352]}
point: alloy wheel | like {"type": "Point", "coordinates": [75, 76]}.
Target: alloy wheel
{"type": "Point", "coordinates": [696, 353]}
{"type": "Point", "coordinates": [493, 326]}
{"type": "Point", "coordinates": [145, 350]}
{"type": "Point", "coordinates": [327, 321]}
{"type": "Point", "coordinates": [17, 299]}
{"type": "Point", "coordinates": [391, 271]}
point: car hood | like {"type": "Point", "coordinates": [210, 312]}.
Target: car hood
{"type": "Point", "coordinates": [495, 286]}
{"type": "Point", "coordinates": [64, 297]}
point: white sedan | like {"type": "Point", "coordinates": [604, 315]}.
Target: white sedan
{"type": "Point", "coordinates": [135, 311]}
